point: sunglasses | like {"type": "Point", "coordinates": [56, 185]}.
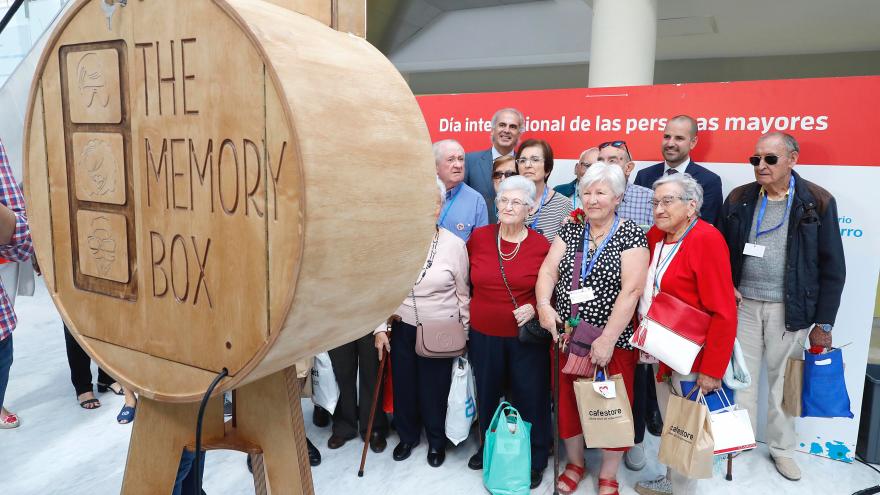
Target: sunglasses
{"type": "Point", "coordinates": [616, 144]}
{"type": "Point", "coordinates": [499, 175]}
{"type": "Point", "coordinates": [755, 160]}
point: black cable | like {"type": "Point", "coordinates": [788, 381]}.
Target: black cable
{"type": "Point", "coordinates": [872, 490]}
{"type": "Point", "coordinates": [197, 465]}
{"type": "Point", "coordinates": [10, 13]}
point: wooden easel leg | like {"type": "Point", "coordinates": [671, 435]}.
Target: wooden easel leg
{"type": "Point", "coordinates": [269, 415]}
{"type": "Point", "coordinates": [157, 439]}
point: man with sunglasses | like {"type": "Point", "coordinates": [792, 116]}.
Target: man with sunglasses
{"type": "Point", "coordinates": [679, 138]}
{"type": "Point", "coordinates": [465, 208]}
{"type": "Point", "coordinates": [506, 128]}
{"type": "Point", "coordinates": [636, 203]}
{"type": "Point", "coordinates": [587, 158]}
{"type": "Point", "coordinates": [788, 268]}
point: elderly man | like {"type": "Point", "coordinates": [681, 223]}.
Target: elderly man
{"type": "Point", "coordinates": [465, 208]}
{"type": "Point", "coordinates": [636, 204]}
{"type": "Point", "coordinates": [788, 267]}
{"type": "Point", "coordinates": [679, 138]}
{"type": "Point", "coordinates": [587, 158]}
{"type": "Point", "coordinates": [506, 128]}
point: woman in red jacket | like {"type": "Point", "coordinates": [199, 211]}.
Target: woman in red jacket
{"type": "Point", "coordinates": [689, 260]}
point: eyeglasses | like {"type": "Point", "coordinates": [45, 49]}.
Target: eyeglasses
{"type": "Point", "coordinates": [521, 161]}
{"type": "Point", "coordinates": [499, 175]}
{"type": "Point", "coordinates": [667, 201]}
{"type": "Point", "coordinates": [755, 160]}
{"type": "Point", "coordinates": [514, 203]}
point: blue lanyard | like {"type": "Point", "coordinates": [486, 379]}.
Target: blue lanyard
{"type": "Point", "coordinates": [449, 205]}
{"type": "Point", "coordinates": [660, 266]}
{"type": "Point", "coordinates": [758, 232]}
{"type": "Point", "coordinates": [540, 206]}
{"type": "Point", "coordinates": [586, 270]}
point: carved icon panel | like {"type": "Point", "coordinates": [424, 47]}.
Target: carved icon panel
{"type": "Point", "coordinates": [99, 162]}
{"type": "Point", "coordinates": [103, 245]}
{"type": "Point", "coordinates": [93, 87]}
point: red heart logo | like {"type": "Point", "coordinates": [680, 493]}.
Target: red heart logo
{"type": "Point", "coordinates": [603, 389]}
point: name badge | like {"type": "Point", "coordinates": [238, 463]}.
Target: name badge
{"type": "Point", "coordinates": [605, 389]}
{"type": "Point", "coordinates": [582, 295]}
{"type": "Point", "coordinates": [755, 250]}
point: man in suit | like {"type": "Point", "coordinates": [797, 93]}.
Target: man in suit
{"type": "Point", "coordinates": [506, 128]}
{"type": "Point", "coordinates": [679, 138]}
{"type": "Point", "coordinates": [587, 158]}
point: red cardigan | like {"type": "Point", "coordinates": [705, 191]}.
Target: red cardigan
{"type": "Point", "coordinates": [699, 275]}
{"type": "Point", "coordinates": [491, 307]}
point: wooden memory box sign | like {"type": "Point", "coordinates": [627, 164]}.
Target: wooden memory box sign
{"type": "Point", "coordinates": [222, 184]}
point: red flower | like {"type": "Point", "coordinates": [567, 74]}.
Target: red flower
{"type": "Point", "coordinates": [578, 216]}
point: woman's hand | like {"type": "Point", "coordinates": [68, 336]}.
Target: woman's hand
{"type": "Point", "coordinates": [708, 384]}
{"type": "Point", "coordinates": [523, 314]}
{"type": "Point", "coordinates": [381, 342]}
{"type": "Point", "coordinates": [549, 319]}
{"type": "Point", "coordinates": [601, 350]}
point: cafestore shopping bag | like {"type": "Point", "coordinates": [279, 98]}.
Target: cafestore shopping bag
{"type": "Point", "coordinates": [792, 387]}
{"type": "Point", "coordinates": [687, 444]}
{"type": "Point", "coordinates": [824, 392]}
{"type": "Point", "coordinates": [606, 416]}
{"type": "Point", "coordinates": [325, 390]}
{"type": "Point", "coordinates": [507, 453]}
{"type": "Point", "coordinates": [461, 408]}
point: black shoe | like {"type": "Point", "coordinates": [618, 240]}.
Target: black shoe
{"type": "Point", "coordinates": [402, 451]}
{"type": "Point", "coordinates": [537, 477]}
{"type": "Point", "coordinates": [476, 460]}
{"type": "Point", "coordinates": [314, 454]}
{"type": "Point", "coordinates": [377, 442]}
{"type": "Point", "coordinates": [436, 457]}
{"type": "Point", "coordinates": [335, 441]}
{"type": "Point", "coordinates": [250, 465]}
{"type": "Point", "coordinates": [321, 417]}
{"type": "Point", "coordinates": [655, 424]}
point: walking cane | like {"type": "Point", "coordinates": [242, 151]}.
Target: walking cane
{"type": "Point", "coordinates": [379, 377]}
{"type": "Point", "coordinates": [556, 418]}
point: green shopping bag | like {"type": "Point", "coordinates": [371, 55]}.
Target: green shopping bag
{"type": "Point", "coordinates": [507, 453]}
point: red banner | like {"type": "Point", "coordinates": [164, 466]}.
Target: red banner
{"type": "Point", "coordinates": [831, 118]}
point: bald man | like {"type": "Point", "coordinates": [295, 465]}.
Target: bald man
{"type": "Point", "coordinates": [587, 158]}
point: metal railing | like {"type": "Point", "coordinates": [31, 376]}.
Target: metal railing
{"type": "Point", "coordinates": [22, 24]}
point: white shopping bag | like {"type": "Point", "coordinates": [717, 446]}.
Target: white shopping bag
{"type": "Point", "coordinates": [325, 390]}
{"type": "Point", "coordinates": [461, 409]}
{"type": "Point", "coordinates": [731, 428]}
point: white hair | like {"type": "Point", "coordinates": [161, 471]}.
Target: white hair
{"type": "Point", "coordinates": [442, 188]}
{"type": "Point", "coordinates": [690, 188]}
{"type": "Point", "coordinates": [440, 146]}
{"type": "Point", "coordinates": [514, 111]}
{"type": "Point", "coordinates": [604, 172]}
{"type": "Point", "coordinates": [518, 183]}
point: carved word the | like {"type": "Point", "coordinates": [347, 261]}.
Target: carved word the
{"type": "Point", "coordinates": [160, 77]}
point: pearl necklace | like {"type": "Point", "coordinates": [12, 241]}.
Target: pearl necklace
{"type": "Point", "coordinates": [512, 254]}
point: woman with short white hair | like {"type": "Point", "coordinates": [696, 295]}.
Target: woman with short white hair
{"type": "Point", "coordinates": [504, 262]}
{"type": "Point", "coordinates": [599, 293]}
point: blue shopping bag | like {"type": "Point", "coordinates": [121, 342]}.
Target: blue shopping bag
{"type": "Point", "coordinates": [824, 391]}
{"type": "Point", "coordinates": [714, 400]}
{"type": "Point", "coordinates": [507, 453]}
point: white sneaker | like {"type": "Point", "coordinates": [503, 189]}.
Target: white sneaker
{"type": "Point", "coordinates": [660, 486]}
{"type": "Point", "coordinates": [787, 468]}
{"type": "Point", "coordinates": [635, 458]}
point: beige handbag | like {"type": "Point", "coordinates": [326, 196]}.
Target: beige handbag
{"type": "Point", "coordinates": [439, 338]}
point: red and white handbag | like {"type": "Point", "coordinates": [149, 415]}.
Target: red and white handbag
{"type": "Point", "coordinates": [673, 332]}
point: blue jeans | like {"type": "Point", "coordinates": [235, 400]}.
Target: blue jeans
{"type": "Point", "coordinates": [5, 364]}
{"type": "Point", "coordinates": [185, 483]}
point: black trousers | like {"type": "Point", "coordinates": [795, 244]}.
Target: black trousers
{"type": "Point", "coordinates": [504, 364]}
{"type": "Point", "coordinates": [644, 399]}
{"type": "Point", "coordinates": [353, 362]}
{"type": "Point", "coordinates": [421, 389]}
{"type": "Point", "coordinates": [80, 366]}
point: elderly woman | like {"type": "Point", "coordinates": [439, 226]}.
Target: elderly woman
{"type": "Point", "coordinates": [421, 385]}
{"type": "Point", "coordinates": [504, 260]}
{"type": "Point", "coordinates": [534, 161]}
{"type": "Point", "coordinates": [689, 260]}
{"type": "Point", "coordinates": [615, 259]}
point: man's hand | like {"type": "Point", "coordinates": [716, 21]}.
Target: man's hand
{"type": "Point", "coordinates": [820, 337]}
{"type": "Point", "coordinates": [739, 297]}
{"type": "Point", "coordinates": [708, 384]}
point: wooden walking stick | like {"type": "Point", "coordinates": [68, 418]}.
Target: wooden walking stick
{"type": "Point", "coordinates": [556, 418]}
{"type": "Point", "coordinates": [379, 377]}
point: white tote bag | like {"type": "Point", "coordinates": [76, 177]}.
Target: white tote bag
{"type": "Point", "coordinates": [731, 428]}
{"type": "Point", "coordinates": [461, 409]}
{"type": "Point", "coordinates": [325, 390]}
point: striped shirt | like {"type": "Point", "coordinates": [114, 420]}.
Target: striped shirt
{"type": "Point", "coordinates": [20, 247]}
{"type": "Point", "coordinates": [555, 210]}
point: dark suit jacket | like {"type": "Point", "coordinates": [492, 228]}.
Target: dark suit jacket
{"type": "Point", "coordinates": [708, 180]}
{"type": "Point", "coordinates": [478, 175]}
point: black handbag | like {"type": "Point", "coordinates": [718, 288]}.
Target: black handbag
{"type": "Point", "coordinates": [531, 332]}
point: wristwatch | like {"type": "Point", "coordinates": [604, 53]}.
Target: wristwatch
{"type": "Point", "coordinates": [825, 327]}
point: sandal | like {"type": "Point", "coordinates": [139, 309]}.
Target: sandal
{"type": "Point", "coordinates": [92, 403]}
{"type": "Point", "coordinates": [105, 387]}
{"type": "Point", "coordinates": [9, 422]}
{"type": "Point", "coordinates": [569, 483]}
{"type": "Point", "coordinates": [609, 484]}
{"type": "Point", "coordinates": [126, 415]}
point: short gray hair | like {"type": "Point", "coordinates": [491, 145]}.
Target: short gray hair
{"type": "Point", "coordinates": [788, 140]}
{"type": "Point", "coordinates": [440, 145]}
{"type": "Point", "coordinates": [442, 188]}
{"type": "Point", "coordinates": [603, 172]}
{"type": "Point", "coordinates": [518, 183]}
{"type": "Point", "coordinates": [514, 111]}
{"type": "Point", "coordinates": [690, 188]}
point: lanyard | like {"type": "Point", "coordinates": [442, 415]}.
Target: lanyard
{"type": "Point", "coordinates": [449, 205]}
{"type": "Point", "coordinates": [661, 266]}
{"type": "Point", "coordinates": [574, 201]}
{"type": "Point", "coordinates": [758, 232]}
{"type": "Point", "coordinates": [587, 269]}
{"type": "Point", "coordinates": [534, 223]}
